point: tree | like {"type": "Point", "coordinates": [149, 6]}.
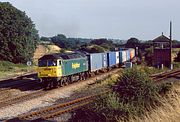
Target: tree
{"type": "Point", "coordinates": [132, 43]}
{"type": "Point", "coordinates": [149, 56]}
{"type": "Point", "coordinates": [177, 59]}
{"type": "Point", "coordinates": [45, 39]}
{"type": "Point", "coordinates": [18, 36]}
{"type": "Point", "coordinates": [60, 40]}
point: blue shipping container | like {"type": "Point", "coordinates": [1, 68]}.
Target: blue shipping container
{"type": "Point", "coordinates": [128, 55]}
{"type": "Point", "coordinates": [111, 59]}
{"type": "Point", "coordinates": [95, 61]}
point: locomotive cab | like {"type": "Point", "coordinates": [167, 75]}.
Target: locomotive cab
{"type": "Point", "coordinates": [49, 68]}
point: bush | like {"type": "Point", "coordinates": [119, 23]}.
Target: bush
{"type": "Point", "coordinates": [132, 95]}
{"type": "Point", "coordinates": [177, 59]}
{"type": "Point", "coordinates": [136, 91]}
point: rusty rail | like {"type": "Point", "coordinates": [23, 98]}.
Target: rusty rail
{"type": "Point", "coordinates": [165, 75]}
{"type": "Point", "coordinates": [56, 110]}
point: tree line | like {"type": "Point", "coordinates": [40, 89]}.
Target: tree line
{"type": "Point", "coordinates": [19, 38]}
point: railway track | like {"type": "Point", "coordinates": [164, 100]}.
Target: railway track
{"type": "Point", "coordinates": [21, 98]}
{"type": "Point", "coordinates": [18, 82]}
{"type": "Point", "coordinates": [19, 85]}
{"type": "Point", "coordinates": [165, 75]}
{"type": "Point", "coordinates": [41, 92]}
{"type": "Point", "coordinates": [58, 109]}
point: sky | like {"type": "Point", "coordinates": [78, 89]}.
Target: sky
{"type": "Point", "coordinates": [118, 19]}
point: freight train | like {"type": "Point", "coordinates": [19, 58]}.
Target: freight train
{"type": "Point", "coordinates": [63, 68]}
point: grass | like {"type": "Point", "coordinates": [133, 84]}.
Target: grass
{"type": "Point", "coordinates": [168, 112]}
{"type": "Point", "coordinates": [10, 69]}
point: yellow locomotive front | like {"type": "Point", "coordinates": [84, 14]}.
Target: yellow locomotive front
{"type": "Point", "coordinates": [49, 68]}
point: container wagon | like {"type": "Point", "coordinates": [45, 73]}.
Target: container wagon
{"type": "Point", "coordinates": [97, 61]}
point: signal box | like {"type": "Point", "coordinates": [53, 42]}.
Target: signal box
{"type": "Point", "coordinates": [162, 51]}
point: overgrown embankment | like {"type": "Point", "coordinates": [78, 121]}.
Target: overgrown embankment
{"type": "Point", "coordinates": [134, 95]}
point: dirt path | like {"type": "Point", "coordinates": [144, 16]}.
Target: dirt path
{"type": "Point", "coordinates": [40, 51]}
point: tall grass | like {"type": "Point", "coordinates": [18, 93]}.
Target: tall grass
{"type": "Point", "coordinates": [168, 112]}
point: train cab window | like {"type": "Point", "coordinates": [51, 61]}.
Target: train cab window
{"type": "Point", "coordinates": [52, 63]}
{"type": "Point", "coordinates": [42, 63]}
{"type": "Point", "coordinates": [59, 63]}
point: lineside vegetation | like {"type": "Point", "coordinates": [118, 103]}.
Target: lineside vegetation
{"type": "Point", "coordinates": [133, 94]}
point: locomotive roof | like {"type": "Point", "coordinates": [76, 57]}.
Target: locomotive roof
{"type": "Point", "coordinates": [64, 56]}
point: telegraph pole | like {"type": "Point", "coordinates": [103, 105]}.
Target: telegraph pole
{"type": "Point", "coordinates": [170, 44]}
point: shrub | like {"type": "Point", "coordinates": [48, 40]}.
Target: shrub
{"type": "Point", "coordinates": [133, 93]}
{"type": "Point", "coordinates": [177, 59]}
{"type": "Point", "coordinates": [136, 88]}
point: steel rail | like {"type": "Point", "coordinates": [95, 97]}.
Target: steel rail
{"type": "Point", "coordinates": [56, 110]}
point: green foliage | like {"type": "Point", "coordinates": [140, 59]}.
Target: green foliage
{"type": "Point", "coordinates": [45, 39]}
{"type": "Point", "coordinates": [106, 44]}
{"type": "Point", "coordinates": [136, 88]}
{"type": "Point", "coordinates": [177, 59]}
{"type": "Point", "coordinates": [164, 88]}
{"type": "Point", "coordinates": [93, 49]}
{"type": "Point", "coordinates": [176, 44]}
{"type": "Point", "coordinates": [132, 43]}
{"type": "Point", "coordinates": [18, 36]}
{"type": "Point", "coordinates": [176, 65]}
{"type": "Point", "coordinates": [67, 43]}
{"type": "Point", "coordinates": [6, 66]}
{"type": "Point", "coordinates": [149, 56]}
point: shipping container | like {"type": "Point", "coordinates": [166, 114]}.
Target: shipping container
{"type": "Point", "coordinates": [128, 55]}
{"type": "Point", "coordinates": [97, 61]}
{"type": "Point", "coordinates": [111, 59]}
{"type": "Point", "coordinates": [117, 57]}
{"type": "Point", "coordinates": [104, 60]}
{"type": "Point", "coordinates": [132, 53]}
{"type": "Point", "coordinates": [122, 56]}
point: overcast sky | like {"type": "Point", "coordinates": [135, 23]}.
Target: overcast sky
{"type": "Point", "coordinates": [120, 19]}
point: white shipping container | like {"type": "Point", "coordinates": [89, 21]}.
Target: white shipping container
{"type": "Point", "coordinates": [117, 57]}
{"type": "Point", "coordinates": [124, 57]}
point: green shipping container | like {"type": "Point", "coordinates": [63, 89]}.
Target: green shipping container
{"type": "Point", "coordinates": [73, 66]}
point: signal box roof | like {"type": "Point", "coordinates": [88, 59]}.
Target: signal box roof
{"type": "Point", "coordinates": [161, 38]}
